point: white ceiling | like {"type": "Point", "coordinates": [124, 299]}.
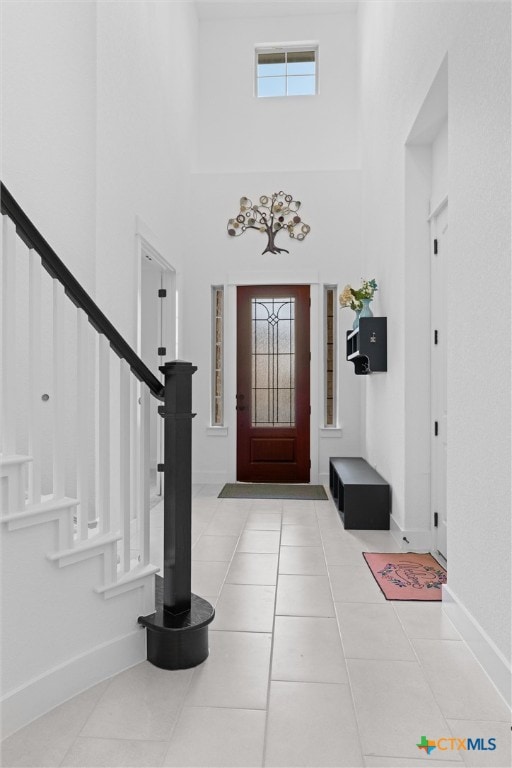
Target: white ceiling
{"type": "Point", "coordinates": [240, 9]}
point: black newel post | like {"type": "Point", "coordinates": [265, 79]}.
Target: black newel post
{"type": "Point", "coordinates": [177, 633]}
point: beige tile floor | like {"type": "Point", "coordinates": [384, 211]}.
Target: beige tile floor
{"type": "Point", "coordinates": [309, 665]}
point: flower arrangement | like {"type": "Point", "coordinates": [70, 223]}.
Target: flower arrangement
{"type": "Point", "coordinates": [352, 297]}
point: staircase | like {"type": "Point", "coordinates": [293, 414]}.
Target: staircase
{"type": "Point", "coordinates": [74, 483]}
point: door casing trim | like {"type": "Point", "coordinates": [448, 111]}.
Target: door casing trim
{"type": "Point", "coordinates": [230, 310]}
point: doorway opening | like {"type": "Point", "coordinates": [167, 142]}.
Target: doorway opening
{"type": "Point", "coordinates": [438, 374]}
{"type": "Point", "coordinates": [426, 198]}
{"type": "Point", "coordinates": [156, 340]}
{"type": "Point", "coordinates": [273, 383]}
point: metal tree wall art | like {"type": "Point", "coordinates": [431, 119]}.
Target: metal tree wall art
{"type": "Point", "coordinates": [271, 215]}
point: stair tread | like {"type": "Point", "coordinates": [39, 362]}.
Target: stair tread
{"type": "Point", "coordinates": [127, 578]}
{"type": "Point", "coordinates": [86, 544]}
{"type": "Point", "coordinates": [43, 506]}
{"type": "Point", "coordinates": [7, 460]}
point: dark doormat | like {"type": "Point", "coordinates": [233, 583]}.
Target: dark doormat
{"type": "Point", "coordinates": [272, 491]}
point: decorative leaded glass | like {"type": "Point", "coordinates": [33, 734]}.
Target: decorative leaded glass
{"type": "Point", "coordinates": [330, 356]}
{"type": "Point", "coordinates": [218, 354]}
{"type": "Point", "coordinates": [273, 362]}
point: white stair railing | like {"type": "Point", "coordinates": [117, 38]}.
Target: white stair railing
{"type": "Point", "coordinates": [104, 426]}
{"type": "Point", "coordinates": [112, 485]}
{"type": "Point", "coordinates": [83, 485]}
{"type": "Point", "coordinates": [8, 424]}
{"type": "Point", "coordinates": [118, 476]}
{"type": "Point", "coordinates": [143, 475]}
{"type": "Point", "coordinates": [58, 441]}
{"type": "Point", "coordinates": [125, 455]}
{"type": "Point", "coordinates": [34, 372]}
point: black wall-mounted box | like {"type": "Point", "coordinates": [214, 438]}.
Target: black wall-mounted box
{"type": "Point", "coordinates": [367, 346]}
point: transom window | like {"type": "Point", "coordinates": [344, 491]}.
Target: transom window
{"type": "Point", "coordinates": [286, 71]}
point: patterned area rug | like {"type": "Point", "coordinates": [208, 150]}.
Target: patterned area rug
{"type": "Point", "coordinates": [272, 491]}
{"type": "Point", "coordinates": [407, 575]}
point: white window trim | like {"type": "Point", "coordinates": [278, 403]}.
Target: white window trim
{"type": "Point", "coordinates": [311, 45]}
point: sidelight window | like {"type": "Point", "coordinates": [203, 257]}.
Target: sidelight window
{"type": "Point", "coordinates": [217, 355]}
{"type": "Point", "coordinates": [330, 355]}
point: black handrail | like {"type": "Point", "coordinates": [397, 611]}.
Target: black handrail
{"type": "Point", "coordinates": [57, 269]}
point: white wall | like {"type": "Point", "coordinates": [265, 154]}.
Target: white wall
{"type": "Point", "coordinates": [217, 259]}
{"type": "Point", "coordinates": [240, 133]}
{"type": "Point", "coordinates": [48, 84]}
{"type": "Point", "coordinates": [307, 146]}
{"type": "Point", "coordinates": [402, 48]}
{"type": "Point", "coordinates": [98, 120]}
{"type": "Point", "coordinates": [146, 105]}
{"type": "Point", "coordinates": [440, 166]}
{"type": "Point", "coordinates": [55, 628]}
{"type": "Point", "coordinates": [98, 127]}
{"type": "Point", "coordinates": [49, 123]}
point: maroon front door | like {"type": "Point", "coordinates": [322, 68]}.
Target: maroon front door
{"type": "Point", "coordinates": [273, 362]}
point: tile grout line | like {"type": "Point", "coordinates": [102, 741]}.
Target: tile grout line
{"type": "Point", "coordinates": [178, 714]}
{"type": "Point", "coordinates": [359, 738]}
{"type": "Point", "coordinates": [348, 672]}
{"type": "Point", "coordinates": [235, 551]}
{"type": "Point", "coordinates": [423, 672]}
{"type": "Point", "coordinates": [269, 679]}
{"type": "Point", "coordinates": [79, 734]}
{"type": "Point", "coordinates": [62, 763]}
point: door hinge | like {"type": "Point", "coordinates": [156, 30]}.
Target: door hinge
{"type": "Point", "coordinates": [436, 428]}
{"type": "Point", "coordinates": [162, 351]}
{"type": "Point", "coordinates": [435, 246]}
{"type": "Point", "coordinates": [162, 293]}
{"type": "Point", "coordinates": [310, 410]}
{"type": "Point", "coordinates": [436, 519]}
{"type": "Point", "coordinates": [435, 337]}
{"type": "Point", "coordinates": [310, 463]}
{"type": "Point", "coordinates": [160, 467]}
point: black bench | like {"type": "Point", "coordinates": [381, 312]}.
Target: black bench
{"type": "Point", "coordinates": [362, 497]}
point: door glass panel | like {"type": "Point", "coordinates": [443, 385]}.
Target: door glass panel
{"type": "Point", "coordinates": [273, 362]}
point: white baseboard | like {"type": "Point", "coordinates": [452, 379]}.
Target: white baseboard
{"type": "Point", "coordinates": [323, 478]}
{"type": "Point", "coordinates": [207, 477]}
{"type": "Point", "coordinates": [411, 540]}
{"type": "Point", "coordinates": [43, 693]}
{"type": "Point", "coordinates": [492, 660]}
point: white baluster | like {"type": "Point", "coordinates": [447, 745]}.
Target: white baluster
{"type": "Point", "coordinates": [124, 460]}
{"type": "Point", "coordinates": [83, 417]}
{"type": "Point", "coordinates": [104, 433]}
{"type": "Point", "coordinates": [134, 448]}
{"type": "Point", "coordinates": [144, 475]}
{"type": "Point", "coordinates": [59, 449]}
{"type": "Point", "coordinates": [34, 353]}
{"type": "Point", "coordinates": [8, 426]}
